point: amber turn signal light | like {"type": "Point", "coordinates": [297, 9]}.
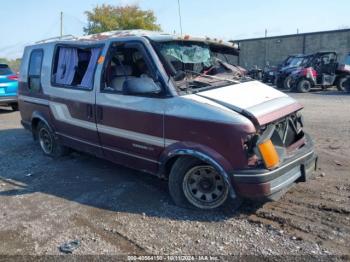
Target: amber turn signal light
{"type": "Point", "coordinates": [269, 154]}
{"type": "Point", "coordinates": [101, 59]}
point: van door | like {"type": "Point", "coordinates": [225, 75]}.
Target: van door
{"type": "Point", "coordinates": [130, 126]}
{"type": "Point", "coordinates": [72, 96]}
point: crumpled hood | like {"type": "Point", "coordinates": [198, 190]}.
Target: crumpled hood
{"type": "Point", "coordinates": [255, 100]}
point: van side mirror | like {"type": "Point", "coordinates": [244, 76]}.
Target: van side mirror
{"type": "Point", "coordinates": [140, 86]}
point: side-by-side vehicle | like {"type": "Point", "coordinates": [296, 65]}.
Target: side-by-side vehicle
{"type": "Point", "coordinates": [170, 106]}
{"type": "Point", "coordinates": [321, 69]}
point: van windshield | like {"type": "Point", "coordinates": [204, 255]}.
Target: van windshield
{"type": "Point", "coordinates": [196, 65]}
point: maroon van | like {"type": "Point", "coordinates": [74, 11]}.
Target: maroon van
{"type": "Point", "coordinates": [176, 107]}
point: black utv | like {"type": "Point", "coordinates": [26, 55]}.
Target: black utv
{"type": "Point", "coordinates": [320, 70]}
{"type": "Point", "coordinates": [272, 73]}
{"type": "Point", "coordinates": [292, 63]}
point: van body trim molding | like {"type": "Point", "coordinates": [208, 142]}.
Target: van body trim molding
{"type": "Point", "coordinates": [107, 148]}
{"type": "Point", "coordinates": [61, 113]}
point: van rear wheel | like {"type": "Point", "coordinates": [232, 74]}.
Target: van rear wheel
{"type": "Point", "coordinates": [48, 143]}
{"type": "Point", "coordinates": [194, 184]}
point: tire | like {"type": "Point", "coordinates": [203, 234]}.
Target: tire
{"type": "Point", "coordinates": [14, 107]}
{"type": "Point", "coordinates": [280, 83]}
{"type": "Point", "coordinates": [304, 86]}
{"type": "Point", "coordinates": [48, 142]}
{"type": "Point", "coordinates": [286, 83]}
{"type": "Point", "coordinates": [341, 84]}
{"type": "Point", "coordinates": [347, 85]}
{"type": "Point", "coordinates": [194, 184]}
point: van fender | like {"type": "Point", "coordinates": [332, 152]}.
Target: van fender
{"type": "Point", "coordinates": [40, 116]}
{"type": "Point", "coordinates": [201, 152]}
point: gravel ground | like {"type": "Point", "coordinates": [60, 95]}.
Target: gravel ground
{"type": "Point", "coordinates": [113, 210]}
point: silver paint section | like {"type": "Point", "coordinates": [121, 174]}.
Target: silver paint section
{"type": "Point", "coordinates": [271, 106]}
{"type": "Point", "coordinates": [286, 179]}
{"type": "Point", "coordinates": [199, 108]}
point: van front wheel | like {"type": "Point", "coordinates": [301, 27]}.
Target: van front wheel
{"type": "Point", "coordinates": [48, 142]}
{"type": "Point", "coordinates": [193, 183]}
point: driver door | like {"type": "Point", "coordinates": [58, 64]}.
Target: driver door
{"type": "Point", "coordinates": [130, 127]}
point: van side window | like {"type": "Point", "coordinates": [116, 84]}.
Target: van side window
{"type": "Point", "coordinates": [34, 71]}
{"type": "Point", "coordinates": [75, 67]}
{"type": "Point", "coordinates": [124, 63]}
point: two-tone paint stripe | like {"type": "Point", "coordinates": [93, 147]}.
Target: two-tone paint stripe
{"type": "Point", "coordinates": [61, 113]}
{"type": "Point", "coordinates": [108, 148]}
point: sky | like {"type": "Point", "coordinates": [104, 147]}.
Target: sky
{"type": "Point", "coordinates": [23, 22]}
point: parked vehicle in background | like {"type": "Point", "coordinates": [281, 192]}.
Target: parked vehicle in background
{"type": "Point", "coordinates": [8, 87]}
{"type": "Point", "coordinates": [347, 85]}
{"type": "Point", "coordinates": [166, 105]}
{"type": "Point", "coordinates": [256, 73]}
{"type": "Point", "coordinates": [283, 73]}
{"type": "Point", "coordinates": [343, 73]}
{"type": "Point", "coordinates": [270, 72]}
{"type": "Point", "coordinates": [320, 70]}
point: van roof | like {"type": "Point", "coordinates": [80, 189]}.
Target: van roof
{"type": "Point", "coordinates": [153, 35]}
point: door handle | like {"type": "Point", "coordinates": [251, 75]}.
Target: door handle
{"type": "Point", "coordinates": [89, 112]}
{"type": "Point", "coordinates": [99, 113]}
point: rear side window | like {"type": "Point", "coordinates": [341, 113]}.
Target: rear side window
{"type": "Point", "coordinates": [74, 67]}
{"type": "Point", "coordinates": [5, 70]}
{"type": "Point", "coordinates": [34, 71]}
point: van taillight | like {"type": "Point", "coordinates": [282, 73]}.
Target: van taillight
{"type": "Point", "coordinates": [13, 77]}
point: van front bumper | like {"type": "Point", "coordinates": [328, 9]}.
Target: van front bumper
{"type": "Point", "coordinates": [263, 183]}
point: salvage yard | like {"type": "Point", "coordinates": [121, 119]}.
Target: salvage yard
{"type": "Point", "coordinates": [114, 210]}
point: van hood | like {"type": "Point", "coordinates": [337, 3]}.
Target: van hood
{"type": "Point", "coordinates": [260, 103]}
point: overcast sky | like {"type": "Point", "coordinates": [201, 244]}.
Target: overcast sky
{"type": "Point", "coordinates": [23, 22]}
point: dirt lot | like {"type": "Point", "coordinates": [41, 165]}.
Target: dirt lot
{"type": "Point", "coordinates": [115, 210]}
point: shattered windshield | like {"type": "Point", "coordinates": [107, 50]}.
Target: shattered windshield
{"type": "Point", "coordinates": [189, 54]}
{"type": "Point", "coordinates": [196, 65]}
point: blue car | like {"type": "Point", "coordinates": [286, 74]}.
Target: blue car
{"type": "Point", "coordinates": [8, 87]}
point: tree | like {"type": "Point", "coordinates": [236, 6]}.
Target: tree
{"type": "Point", "coordinates": [108, 18]}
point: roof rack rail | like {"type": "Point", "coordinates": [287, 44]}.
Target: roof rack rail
{"type": "Point", "coordinates": [64, 37]}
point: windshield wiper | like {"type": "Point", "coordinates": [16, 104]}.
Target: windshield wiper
{"type": "Point", "coordinates": [213, 77]}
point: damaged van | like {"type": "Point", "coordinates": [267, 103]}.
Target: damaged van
{"type": "Point", "coordinates": [175, 107]}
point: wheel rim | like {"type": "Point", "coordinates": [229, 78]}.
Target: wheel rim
{"type": "Point", "coordinates": [287, 83]}
{"type": "Point", "coordinates": [306, 85]}
{"type": "Point", "coordinates": [204, 187]}
{"type": "Point", "coordinates": [45, 140]}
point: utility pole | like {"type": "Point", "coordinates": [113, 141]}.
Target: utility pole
{"type": "Point", "coordinates": [61, 31]}
{"type": "Point", "coordinates": [265, 32]}
{"type": "Point", "coordinates": [180, 20]}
